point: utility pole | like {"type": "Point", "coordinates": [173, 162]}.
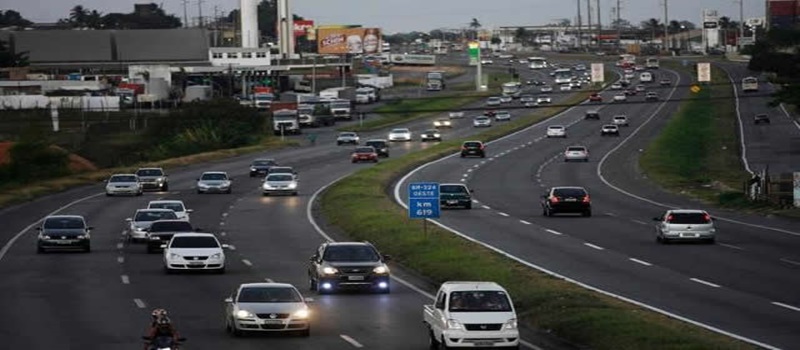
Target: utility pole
{"type": "Point", "coordinates": [589, 21]}
{"type": "Point", "coordinates": [619, 28]}
{"type": "Point", "coordinates": [599, 26]}
{"type": "Point", "coordinates": [580, 41]}
{"type": "Point", "coordinates": [185, 14]}
{"type": "Point", "coordinates": [741, 24]}
{"type": "Point", "coordinates": [200, 12]}
{"type": "Point", "coordinates": [216, 24]}
{"type": "Point", "coordinates": [666, 26]}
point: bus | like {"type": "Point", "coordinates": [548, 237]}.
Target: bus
{"type": "Point", "coordinates": [626, 60]}
{"type": "Point", "coordinates": [749, 84]}
{"type": "Point", "coordinates": [513, 89]}
{"type": "Point", "coordinates": [652, 63]}
{"type": "Point", "coordinates": [563, 75]}
{"type": "Point", "coordinates": [537, 62]}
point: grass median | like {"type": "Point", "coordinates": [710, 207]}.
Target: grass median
{"type": "Point", "coordinates": [359, 205]}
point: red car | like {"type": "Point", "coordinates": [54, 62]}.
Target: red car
{"type": "Point", "coordinates": [364, 154]}
{"type": "Point", "coordinates": [490, 113]}
{"type": "Point", "coordinates": [595, 97]}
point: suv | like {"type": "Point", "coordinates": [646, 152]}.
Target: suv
{"type": "Point", "coordinates": [455, 195]}
{"type": "Point", "coordinates": [381, 147]}
{"type": "Point", "coordinates": [685, 224]}
{"type": "Point", "coordinates": [566, 200]}
{"type": "Point", "coordinates": [63, 232]}
{"type": "Point", "coordinates": [592, 114]}
{"type": "Point", "coordinates": [153, 178]}
{"type": "Point", "coordinates": [473, 148]}
{"type": "Point", "coordinates": [161, 231]}
{"type": "Point", "coordinates": [347, 137]}
{"type": "Point", "coordinates": [340, 265]}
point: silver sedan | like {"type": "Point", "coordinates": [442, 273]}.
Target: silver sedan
{"type": "Point", "coordinates": [267, 307]}
{"type": "Point", "coordinates": [124, 184]}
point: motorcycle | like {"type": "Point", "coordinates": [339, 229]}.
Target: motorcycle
{"type": "Point", "coordinates": [163, 343]}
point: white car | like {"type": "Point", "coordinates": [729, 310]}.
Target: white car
{"type": "Point", "coordinates": [194, 251]}
{"type": "Point", "coordinates": [493, 101]}
{"type": "Point", "coordinates": [214, 181]}
{"type": "Point", "coordinates": [267, 307]}
{"type": "Point", "coordinates": [442, 123]}
{"type": "Point", "coordinates": [400, 134]}
{"type": "Point", "coordinates": [142, 219]}
{"type": "Point", "coordinates": [546, 88]}
{"type": "Point", "coordinates": [486, 61]}
{"type": "Point", "coordinates": [620, 120]}
{"type": "Point", "coordinates": [530, 104]}
{"type": "Point", "coordinates": [527, 98]}
{"type": "Point", "coordinates": [482, 121]}
{"type": "Point", "coordinates": [609, 129]}
{"type": "Point", "coordinates": [640, 88]}
{"type": "Point", "coordinates": [576, 153]}
{"type": "Point", "coordinates": [456, 115]}
{"type": "Point", "coordinates": [616, 86]}
{"type": "Point", "coordinates": [565, 87]}
{"type": "Point", "coordinates": [347, 137]}
{"type": "Point", "coordinates": [620, 98]}
{"type": "Point", "coordinates": [629, 76]}
{"type": "Point", "coordinates": [175, 205]}
{"type": "Point", "coordinates": [280, 183]}
{"type": "Point", "coordinates": [556, 131]}
{"type": "Point", "coordinates": [543, 99]}
{"type": "Point", "coordinates": [124, 184]}
{"type": "Point", "coordinates": [506, 99]}
{"type": "Point", "coordinates": [502, 116]}
{"type": "Point", "coordinates": [575, 84]}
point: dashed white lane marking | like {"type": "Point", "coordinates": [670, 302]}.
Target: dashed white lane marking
{"type": "Point", "coordinates": [222, 223]}
{"type": "Point", "coordinates": [731, 246]}
{"type": "Point", "coordinates": [352, 341]}
{"type": "Point", "coordinates": [120, 245]}
{"type": "Point", "coordinates": [469, 171]}
{"type": "Point", "coordinates": [525, 222]}
{"type": "Point", "coordinates": [224, 215]}
{"type": "Point", "coordinates": [640, 222]}
{"type": "Point", "coordinates": [554, 232]}
{"type": "Point", "coordinates": [175, 192]}
{"type": "Point", "coordinates": [240, 199]}
{"type": "Point", "coordinates": [476, 166]}
{"type": "Point", "coordinates": [120, 259]}
{"type": "Point", "coordinates": [611, 214]}
{"type": "Point", "coordinates": [704, 282]}
{"type": "Point", "coordinates": [483, 162]}
{"type": "Point", "coordinates": [503, 214]}
{"type": "Point", "coordinates": [223, 233]}
{"type": "Point", "coordinates": [464, 180]}
{"type": "Point", "coordinates": [269, 280]}
{"type": "Point", "coordinates": [139, 303]}
{"type": "Point", "coordinates": [125, 279]}
{"type": "Point", "coordinates": [486, 207]}
{"type": "Point", "coordinates": [231, 247]}
{"type": "Point", "coordinates": [247, 262]}
{"type": "Point", "coordinates": [124, 232]}
{"type": "Point", "coordinates": [594, 246]}
{"type": "Point", "coordinates": [231, 206]}
{"type": "Point", "coordinates": [794, 308]}
{"type": "Point", "coordinates": [790, 261]}
{"type": "Point", "coordinates": [645, 263]}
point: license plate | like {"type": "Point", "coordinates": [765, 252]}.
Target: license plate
{"type": "Point", "coordinates": [355, 278]}
{"type": "Point", "coordinates": [473, 151]}
{"type": "Point", "coordinates": [484, 343]}
{"type": "Point", "coordinates": [688, 235]}
{"type": "Point", "coordinates": [63, 242]}
{"type": "Point", "coordinates": [195, 263]}
{"type": "Point", "coordinates": [452, 202]}
{"type": "Point", "coordinates": [570, 200]}
{"type": "Point", "coordinates": [273, 322]}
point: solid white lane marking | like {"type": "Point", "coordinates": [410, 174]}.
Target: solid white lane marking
{"type": "Point", "coordinates": [120, 259]}
{"type": "Point", "coordinates": [503, 214]}
{"type": "Point", "coordinates": [786, 260]}
{"type": "Point", "coordinates": [352, 341]}
{"type": "Point", "coordinates": [790, 307]}
{"type": "Point", "coordinates": [125, 279]}
{"type": "Point", "coordinates": [120, 245]}
{"type": "Point", "coordinates": [640, 222]}
{"type": "Point", "coordinates": [525, 222]}
{"type": "Point", "coordinates": [594, 246]}
{"type": "Point", "coordinates": [139, 303]}
{"type": "Point", "coordinates": [247, 262]}
{"type": "Point", "coordinates": [731, 246]}
{"type": "Point", "coordinates": [486, 207]}
{"type": "Point", "coordinates": [704, 282]}
{"type": "Point", "coordinates": [554, 232]}
{"type": "Point", "coordinates": [645, 263]}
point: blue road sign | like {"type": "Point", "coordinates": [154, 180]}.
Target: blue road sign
{"type": "Point", "coordinates": [423, 200]}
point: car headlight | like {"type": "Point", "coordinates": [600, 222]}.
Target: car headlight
{"type": "Point", "coordinates": [381, 270]}
{"type": "Point", "coordinates": [253, 169]}
{"type": "Point", "coordinates": [437, 135]}
{"type": "Point", "coordinates": [160, 179]}
{"type": "Point", "coordinates": [511, 324]}
{"type": "Point", "coordinates": [139, 229]}
{"type": "Point", "coordinates": [293, 185]}
{"type": "Point", "coordinates": [302, 313]}
{"type": "Point", "coordinates": [454, 324]}
{"type": "Point", "coordinates": [329, 270]}
{"type": "Point", "coordinates": [174, 256]}
{"type": "Point", "coordinates": [216, 256]}
{"type": "Point", "coordinates": [82, 237]}
{"type": "Point", "coordinates": [45, 237]}
{"type": "Point", "coordinates": [226, 184]}
{"type": "Point", "coordinates": [202, 185]}
{"type": "Point", "coordinates": [244, 314]}
{"type": "Point", "coordinates": [267, 186]}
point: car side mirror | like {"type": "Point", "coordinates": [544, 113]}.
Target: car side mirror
{"type": "Point", "coordinates": [128, 219]}
{"type": "Point", "coordinates": [90, 228]}
{"type": "Point", "coordinates": [197, 179]}
{"type": "Point", "coordinates": [190, 210]}
{"type": "Point", "coordinates": [197, 229]}
{"type": "Point", "coordinates": [163, 246]}
{"type": "Point", "coordinates": [308, 300]}
{"type": "Point", "coordinates": [38, 229]}
{"type": "Point", "coordinates": [312, 258]}
{"type": "Point", "coordinates": [387, 258]}
{"type": "Point", "coordinates": [544, 196]}
{"type": "Point", "coordinates": [225, 246]}
{"type": "Point", "coordinates": [228, 300]}
{"type": "Point", "coordinates": [181, 339]}
{"type": "Point", "coordinates": [656, 219]}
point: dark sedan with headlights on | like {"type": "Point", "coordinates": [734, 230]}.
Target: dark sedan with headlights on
{"type": "Point", "coordinates": [68, 232]}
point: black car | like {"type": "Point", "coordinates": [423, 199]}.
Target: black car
{"type": "Point", "coordinates": [282, 170]}
{"type": "Point", "coordinates": [473, 148]}
{"type": "Point", "coordinates": [348, 265]}
{"type": "Point", "coordinates": [64, 232]}
{"type": "Point", "coordinates": [261, 166]}
{"type": "Point", "coordinates": [455, 196]}
{"type": "Point", "coordinates": [381, 147]}
{"type": "Point", "coordinates": [761, 118]}
{"type": "Point", "coordinates": [592, 115]}
{"type": "Point", "coordinates": [161, 231]}
{"type": "Point", "coordinates": [566, 200]}
{"type": "Point", "coordinates": [430, 135]}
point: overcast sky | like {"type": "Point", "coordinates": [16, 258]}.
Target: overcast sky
{"type": "Point", "coordinates": [424, 15]}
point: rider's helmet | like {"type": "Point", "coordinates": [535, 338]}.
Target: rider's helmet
{"type": "Point", "coordinates": [158, 313]}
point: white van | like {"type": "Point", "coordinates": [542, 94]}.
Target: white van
{"type": "Point", "coordinates": [646, 77]}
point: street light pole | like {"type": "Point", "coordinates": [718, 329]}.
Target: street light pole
{"type": "Point", "coordinates": [741, 25]}
{"type": "Point", "coordinates": [666, 25]}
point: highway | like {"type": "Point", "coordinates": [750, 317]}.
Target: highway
{"type": "Point", "coordinates": [745, 285]}
{"type": "Point", "coordinates": [102, 300]}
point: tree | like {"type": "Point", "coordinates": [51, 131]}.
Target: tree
{"type": "Point", "coordinates": [10, 18]}
{"type": "Point", "coordinates": [522, 35]}
{"type": "Point", "coordinates": [778, 52]}
{"type": "Point", "coordinates": [11, 59]}
{"type": "Point", "coordinates": [686, 25]}
{"type": "Point", "coordinates": [475, 24]}
{"type": "Point", "coordinates": [77, 16]}
{"type": "Point", "coordinates": [724, 24]}
{"type": "Point", "coordinates": [652, 25]}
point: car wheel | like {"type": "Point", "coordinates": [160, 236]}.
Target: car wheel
{"type": "Point", "coordinates": [236, 332]}
{"type": "Point", "coordinates": [375, 160]}
{"type": "Point", "coordinates": [220, 271]}
{"type": "Point", "coordinates": [199, 192]}
{"type": "Point", "coordinates": [265, 194]}
{"type": "Point", "coordinates": [229, 191]}
{"type": "Point", "coordinates": [462, 155]}
{"type": "Point", "coordinates": [354, 162]}
{"type": "Point", "coordinates": [312, 284]}
{"type": "Point", "coordinates": [150, 250]}
{"type": "Point", "coordinates": [252, 175]}
{"type": "Point", "coordinates": [338, 143]}
{"type": "Point", "coordinates": [483, 155]}
{"type": "Point", "coordinates": [165, 188]}
{"type": "Point", "coordinates": [711, 241]}
{"type": "Point", "coordinates": [433, 344]}
{"type": "Point", "coordinates": [139, 193]}
{"type": "Point", "coordinates": [108, 194]}
{"type": "Point", "coordinates": [40, 250]}
{"type": "Point", "coordinates": [294, 193]}
{"type": "Point", "coordinates": [586, 160]}
{"type": "Point", "coordinates": [306, 332]}
{"type": "Point", "coordinates": [87, 249]}
{"type": "Point", "coordinates": [168, 270]}
{"type": "Point", "coordinates": [468, 206]}
{"type": "Point", "coordinates": [587, 213]}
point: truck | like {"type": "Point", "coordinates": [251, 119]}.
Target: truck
{"type": "Point", "coordinates": [263, 100]}
{"type": "Point", "coordinates": [512, 88]}
{"type": "Point", "coordinates": [435, 81]}
{"type": "Point", "coordinates": [314, 115]}
{"type": "Point", "coordinates": [341, 109]}
{"type": "Point", "coordinates": [286, 121]}
{"type": "Point", "coordinates": [471, 314]}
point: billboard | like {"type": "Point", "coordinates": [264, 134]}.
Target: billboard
{"type": "Point", "coordinates": [302, 27]}
{"type": "Point", "coordinates": [348, 40]}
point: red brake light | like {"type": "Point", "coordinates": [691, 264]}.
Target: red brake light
{"type": "Point", "coordinates": [483, 146]}
{"type": "Point", "coordinates": [586, 199]}
{"type": "Point", "coordinates": [707, 217]}
{"type": "Point", "coordinates": [553, 199]}
{"type": "Point", "coordinates": [669, 218]}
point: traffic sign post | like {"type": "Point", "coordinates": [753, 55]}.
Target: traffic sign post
{"type": "Point", "coordinates": [423, 202]}
{"type": "Point", "coordinates": [704, 72]}
{"type": "Point", "coordinates": [598, 73]}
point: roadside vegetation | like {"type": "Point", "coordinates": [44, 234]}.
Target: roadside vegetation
{"type": "Point", "coordinates": [359, 206]}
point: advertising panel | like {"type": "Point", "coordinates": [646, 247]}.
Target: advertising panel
{"type": "Point", "coordinates": [348, 40]}
{"type": "Point", "coordinates": [704, 72]}
{"type": "Point", "coordinates": [302, 27]}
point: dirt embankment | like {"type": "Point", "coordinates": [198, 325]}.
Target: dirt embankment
{"type": "Point", "coordinates": [77, 163]}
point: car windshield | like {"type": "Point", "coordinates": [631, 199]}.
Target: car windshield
{"type": "Point", "coordinates": [347, 134]}
{"type": "Point", "coordinates": [502, 112]}
{"type": "Point", "coordinates": [400, 131]}
{"type": "Point", "coordinates": [453, 189]}
{"type": "Point", "coordinates": [63, 223]}
{"type": "Point", "coordinates": [364, 150]}
{"type": "Point", "coordinates": [150, 172]}
{"type": "Point", "coordinates": [269, 295]}
{"type": "Point", "coordinates": [479, 301]}
{"type": "Point", "coordinates": [431, 131]}
{"type": "Point", "coordinates": [556, 127]}
{"type": "Point", "coordinates": [174, 206]}
{"type": "Point", "coordinates": [350, 253]}
{"type": "Point", "coordinates": [171, 226]}
{"type": "Point", "coordinates": [569, 192]}
{"type": "Point", "coordinates": [619, 117]}
{"type": "Point", "coordinates": [376, 143]}
{"type": "Point", "coordinates": [194, 242]}
{"type": "Point", "coordinates": [576, 149]}
{"type": "Point", "coordinates": [214, 177]}
{"type": "Point", "coordinates": [688, 218]}
{"type": "Point", "coordinates": [264, 163]}
{"type": "Point", "coordinates": [148, 215]}
{"type": "Point", "coordinates": [280, 177]}
{"type": "Point", "coordinates": [472, 144]}
{"type": "Point", "coordinates": [281, 170]}
{"type": "Point", "coordinates": [482, 118]}
{"type": "Point", "coordinates": [123, 178]}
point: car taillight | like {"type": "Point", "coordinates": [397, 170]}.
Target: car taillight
{"type": "Point", "coordinates": [669, 218]}
{"type": "Point", "coordinates": [483, 146]}
{"type": "Point", "coordinates": [553, 199]}
{"type": "Point", "coordinates": [707, 217]}
{"type": "Point", "coordinates": [586, 199]}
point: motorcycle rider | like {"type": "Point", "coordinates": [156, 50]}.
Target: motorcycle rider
{"type": "Point", "coordinates": [160, 326]}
